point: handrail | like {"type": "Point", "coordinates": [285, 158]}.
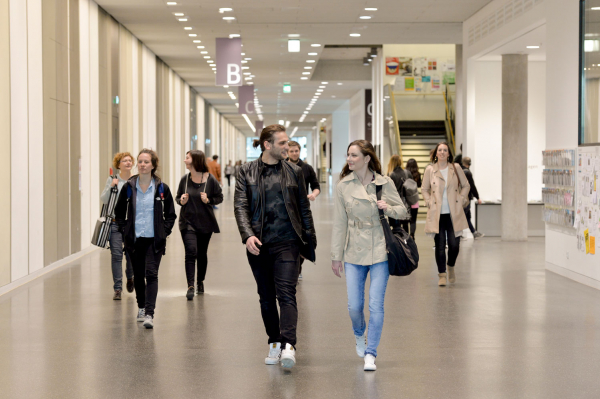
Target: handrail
{"type": "Point", "coordinates": [449, 121]}
{"type": "Point", "coordinates": [396, 125]}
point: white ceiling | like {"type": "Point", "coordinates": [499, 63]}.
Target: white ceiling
{"type": "Point", "coordinates": [535, 37]}
{"type": "Point", "coordinates": [264, 27]}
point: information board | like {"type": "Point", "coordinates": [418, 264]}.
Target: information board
{"type": "Point", "coordinates": [587, 218]}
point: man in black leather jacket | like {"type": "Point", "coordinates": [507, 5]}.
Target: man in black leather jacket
{"type": "Point", "coordinates": [274, 219]}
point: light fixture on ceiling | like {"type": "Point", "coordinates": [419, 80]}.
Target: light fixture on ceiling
{"type": "Point", "coordinates": [293, 46]}
{"type": "Point", "coordinates": [234, 35]}
{"type": "Point", "coordinates": [307, 67]}
{"type": "Point", "coordinates": [365, 17]}
{"type": "Point", "coordinates": [340, 83]}
{"type": "Point", "coordinates": [228, 18]}
{"type": "Point", "coordinates": [324, 83]}
{"type": "Point", "coordinates": [315, 45]}
{"type": "Point", "coordinates": [281, 121]}
{"type": "Point", "coordinates": [304, 78]}
{"type": "Point", "coordinates": [373, 52]}
{"type": "Point", "coordinates": [171, 3]}
{"type": "Point", "coordinates": [322, 87]}
{"type": "Point", "coordinates": [595, 8]}
{"type": "Point", "coordinates": [188, 28]}
{"type": "Point", "coordinates": [183, 19]}
{"type": "Point", "coordinates": [244, 62]}
{"type": "Point", "coordinates": [197, 41]}
{"type": "Point", "coordinates": [199, 46]}
{"type": "Point", "coordinates": [354, 34]}
{"type": "Point", "coordinates": [305, 73]}
{"type": "Point", "coordinates": [248, 59]}
{"type": "Point", "coordinates": [533, 46]}
{"type": "Point", "coordinates": [366, 61]}
{"type": "Point", "coordinates": [310, 61]}
{"type": "Point", "coordinates": [225, 9]}
{"type": "Point", "coordinates": [319, 90]}
{"type": "Point", "coordinates": [370, 9]}
{"type": "Point", "coordinates": [192, 35]}
{"type": "Point", "coordinates": [178, 14]}
{"type": "Point", "coordinates": [247, 73]}
{"type": "Point", "coordinates": [591, 46]}
{"type": "Point", "coordinates": [206, 57]}
{"type": "Point", "coordinates": [245, 67]}
{"type": "Point", "coordinates": [204, 52]}
{"type": "Point", "coordinates": [293, 35]}
{"type": "Point", "coordinates": [210, 61]}
{"type": "Point", "coordinates": [312, 54]}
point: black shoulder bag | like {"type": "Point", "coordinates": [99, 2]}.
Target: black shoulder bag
{"type": "Point", "coordinates": [403, 255]}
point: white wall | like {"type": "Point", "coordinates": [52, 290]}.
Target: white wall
{"type": "Point", "coordinates": [357, 116]}
{"type": "Point", "coordinates": [340, 135]}
{"type": "Point", "coordinates": [536, 129]}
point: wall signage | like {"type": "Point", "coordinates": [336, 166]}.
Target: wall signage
{"type": "Point", "coordinates": [229, 61]}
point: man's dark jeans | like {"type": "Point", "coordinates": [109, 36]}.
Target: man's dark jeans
{"type": "Point", "coordinates": [145, 273]}
{"type": "Point", "coordinates": [275, 270]}
{"type": "Point", "coordinates": [468, 215]}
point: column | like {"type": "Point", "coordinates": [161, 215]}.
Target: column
{"type": "Point", "coordinates": [514, 147]}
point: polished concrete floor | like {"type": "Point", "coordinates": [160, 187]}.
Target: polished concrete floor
{"type": "Point", "coordinates": [506, 329]}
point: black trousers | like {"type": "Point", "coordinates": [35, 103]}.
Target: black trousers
{"type": "Point", "coordinates": [446, 230]}
{"type": "Point", "coordinates": [275, 270]}
{"type": "Point", "coordinates": [196, 248]}
{"type": "Point", "coordinates": [228, 180]}
{"type": "Point", "coordinates": [468, 215]}
{"type": "Point", "coordinates": [145, 273]}
{"type": "Point", "coordinates": [412, 223]}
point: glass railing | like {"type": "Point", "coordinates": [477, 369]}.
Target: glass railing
{"type": "Point", "coordinates": [390, 115]}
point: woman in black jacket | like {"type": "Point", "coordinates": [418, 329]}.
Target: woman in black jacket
{"type": "Point", "coordinates": [198, 192]}
{"type": "Point", "coordinates": [398, 176]}
{"type": "Point", "coordinates": [413, 169]}
{"type": "Point", "coordinates": [145, 214]}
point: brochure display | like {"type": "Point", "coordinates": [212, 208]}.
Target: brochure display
{"type": "Point", "coordinates": [587, 218]}
{"type": "Point", "coordinates": [559, 192]}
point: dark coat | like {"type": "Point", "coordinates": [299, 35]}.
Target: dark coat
{"type": "Point", "coordinates": [310, 177]}
{"type": "Point", "coordinates": [473, 193]}
{"type": "Point", "coordinates": [215, 197]}
{"type": "Point", "coordinates": [164, 214]}
{"type": "Point", "coordinates": [249, 201]}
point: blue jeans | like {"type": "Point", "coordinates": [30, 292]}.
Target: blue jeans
{"type": "Point", "coordinates": [116, 251]}
{"type": "Point", "coordinates": [356, 275]}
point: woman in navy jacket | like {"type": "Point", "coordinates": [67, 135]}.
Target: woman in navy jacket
{"type": "Point", "coordinates": [145, 214]}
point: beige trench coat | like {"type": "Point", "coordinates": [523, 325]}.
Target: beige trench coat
{"type": "Point", "coordinates": [357, 232]}
{"type": "Point", "coordinates": [433, 193]}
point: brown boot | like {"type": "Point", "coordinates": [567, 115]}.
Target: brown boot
{"type": "Point", "coordinates": [117, 296]}
{"type": "Point", "coordinates": [442, 282]}
{"type": "Point", "coordinates": [451, 275]}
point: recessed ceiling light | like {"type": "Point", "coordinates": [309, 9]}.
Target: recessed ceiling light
{"type": "Point", "coordinates": [355, 34]}
{"type": "Point", "coordinates": [206, 57]}
{"type": "Point", "coordinates": [199, 46]}
{"type": "Point", "coordinates": [533, 46]}
{"type": "Point", "coordinates": [307, 67]}
{"type": "Point", "coordinates": [365, 17]}
{"type": "Point", "coordinates": [228, 18]}
{"type": "Point", "coordinates": [171, 3]}
{"type": "Point", "coordinates": [304, 78]}
{"type": "Point", "coordinates": [332, 96]}
{"type": "Point", "coordinates": [310, 61]}
{"type": "Point", "coordinates": [321, 87]}
{"type": "Point", "coordinates": [214, 69]}
{"type": "Point", "coordinates": [315, 45]}
{"type": "Point", "coordinates": [370, 9]}
{"type": "Point", "coordinates": [293, 46]}
{"type": "Point", "coordinates": [179, 14]}
{"type": "Point", "coordinates": [340, 83]}
{"type": "Point", "coordinates": [595, 8]}
{"type": "Point", "coordinates": [210, 61]}
{"type": "Point", "coordinates": [204, 52]}
{"type": "Point", "coordinates": [247, 73]}
{"type": "Point", "coordinates": [192, 35]}
{"type": "Point", "coordinates": [324, 83]}
{"type": "Point", "coordinates": [188, 28]}
{"type": "Point", "coordinates": [197, 41]}
{"type": "Point", "coordinates": [293, 35]}
{"type": "Point", "coordinates": [225, 9]}
{"type": "Point", "coordinates": [244, 62]}
{"type": "Point", "coordinates": [305, 73]}
{"type": "Point", "coordinates": [319, 90]}
{"type": "Point", "coordinates": [234, 35]}
{"type": "Point", "coordinates": [245, 67]}
{"type": "Point", "coordinates": [312, 54]}
{"type": "Point", "coordinates": [182, 19]}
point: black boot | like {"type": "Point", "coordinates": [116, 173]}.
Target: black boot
{"type": "Point", "coordinates": [190, 293]}
{"type": "Point", "coordinates": [200, 289]}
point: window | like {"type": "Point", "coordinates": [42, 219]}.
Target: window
{"type": "Point", "coordinates": [589, 78]}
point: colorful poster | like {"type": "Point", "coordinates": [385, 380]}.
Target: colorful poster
{"type": "Point", "coordinates": [420, 66]}
{"type": "Point", "coordinates": [406, 66]}
{"type": "Point", "coordinates": [392, 66]}
{"type": "Point", "coordinates": [449, 78]}
{"type": "Point", "coordinates": [409, 84]}
{"type": "Point", "coordinates": [432, 64]}
{"type": "Point", "coordinates": [586, 236]}
{"type": "Point", "coordinates": [592, 245]}
{"type": "Point", "coordinates": [435, 83]}
{"type": "Point", "coordinates": [426, 79]}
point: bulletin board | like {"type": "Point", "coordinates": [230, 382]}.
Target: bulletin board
{"type": "Point", "coordinates": [587, 217]}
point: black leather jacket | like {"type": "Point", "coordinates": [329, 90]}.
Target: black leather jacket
{"type": "Point", "coordinates": [250, 197]}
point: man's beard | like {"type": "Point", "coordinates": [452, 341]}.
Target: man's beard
{"type": "Point", "coordinates": [296, 161]}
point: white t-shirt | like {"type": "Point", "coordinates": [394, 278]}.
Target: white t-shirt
{"type": "Point", "coordinates": [445, 204]}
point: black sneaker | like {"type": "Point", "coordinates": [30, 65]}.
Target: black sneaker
{"type": "Point", "coordinates": [130, 285]}
{"type": "Point", "coordinates": [190, 293]}
{"type": "Point", "coordinates": [200, 289]}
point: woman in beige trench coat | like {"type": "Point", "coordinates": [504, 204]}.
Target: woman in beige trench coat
{"type": "Point", "coordinates": [358, 241]}
{"type": "Point", "coordinates": [445, 189]}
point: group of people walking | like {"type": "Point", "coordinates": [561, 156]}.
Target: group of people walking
{"type": "Point", "coordinates": [273, 215]}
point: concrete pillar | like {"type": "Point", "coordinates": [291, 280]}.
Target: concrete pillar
{"type": "Point", "coordinates": [514, 147]}
{"type": "Point", "coordinates": [459, 133]}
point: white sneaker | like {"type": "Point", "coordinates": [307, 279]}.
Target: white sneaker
{"type": "Point", "coordinates": [370, 363]}
{"type": "Point", "coordinates": [148, 321]}
{"type": "Point", "coordinates": [141, 314]}
{"type": "Point", "coordinates": [274, 353]}
{"type": "Point", "coordinates": [361, 345]}
{"type": "Point", "coordinates": [300, 277]}
{"type": "Point", "coordinates": [288, 356]}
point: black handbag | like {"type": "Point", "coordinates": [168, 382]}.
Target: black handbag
{"type": "Point", "coordinates": [403, 255]}
{"type": "Point", "coordinates": [101, 233]}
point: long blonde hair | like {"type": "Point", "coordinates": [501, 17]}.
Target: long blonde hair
{"type": "Point", "coordinates": [393, 164]}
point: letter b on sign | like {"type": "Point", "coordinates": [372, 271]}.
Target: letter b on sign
{"type": "Point", "coordinates": [234, 77]}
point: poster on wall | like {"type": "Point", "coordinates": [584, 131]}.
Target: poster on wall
{"type": "Point", "coordinates": [399, 85]}
{"type": "Point", "coordinates": [409, 83]}
{"type": "Point", "coordinates": [432, 64]}
{"type": "Point", "coordinates": [449, 78]}
{"type": "Point", "coordinates": [435, 83]}
{"type": "Point", "coordinates": [406, 66]}
{"type": "Point", "coordinates": [392, 66]}
{"type": "Point", "coordinates": [420, 66]}
{"type": "Point", "coordinates": [587, 214]}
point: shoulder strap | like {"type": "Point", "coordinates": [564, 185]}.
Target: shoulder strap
{"type": "Point", "coordinates": [129, 191]}
{"type": "Point", "coordinates": [187, 178]}
{"type": "Point", "coordinates": [457, 178]}
{"type": "Point", "coordinates": [161, 191]}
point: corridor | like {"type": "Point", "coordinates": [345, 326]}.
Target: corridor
{"type": "Point", "coordinates": [507, 329]}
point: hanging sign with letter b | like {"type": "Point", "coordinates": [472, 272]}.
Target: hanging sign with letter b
{"type": "Point", "coordinates": [229, 61]}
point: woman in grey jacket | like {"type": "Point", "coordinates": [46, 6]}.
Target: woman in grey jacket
{"type": "Point", "coordinates": [123, 162]}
